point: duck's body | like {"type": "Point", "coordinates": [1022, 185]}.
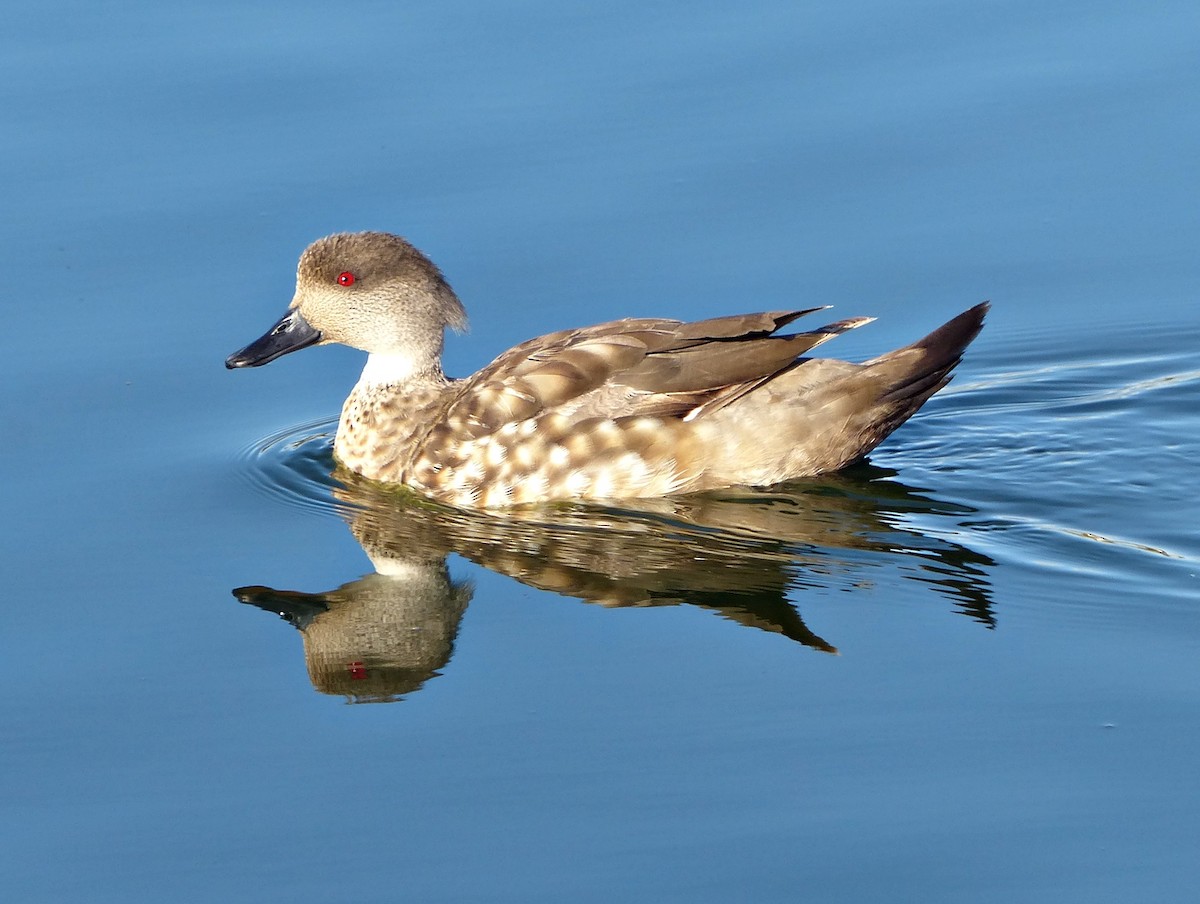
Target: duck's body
{"type": "Point", "coordinates": [631, 408]}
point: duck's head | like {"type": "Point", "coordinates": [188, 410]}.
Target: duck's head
{"type": "Point", "coordinates": [369, 290]}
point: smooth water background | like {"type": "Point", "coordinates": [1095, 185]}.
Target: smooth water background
{"type": "Point", "coordinates": [163, 166]}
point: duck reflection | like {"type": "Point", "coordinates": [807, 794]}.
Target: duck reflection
{"type": "Point", "coordinates": [735, 552]}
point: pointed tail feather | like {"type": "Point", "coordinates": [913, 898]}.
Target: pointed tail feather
{"type": "Point", "coordinates": [914, 373]}
{"type": "Point", "coordinates": [824, 414]}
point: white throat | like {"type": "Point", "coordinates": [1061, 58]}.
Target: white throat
{"type": "Point", "coordinates": [381, 370]}
{"type": "Point", "coordinates": [406, 568]}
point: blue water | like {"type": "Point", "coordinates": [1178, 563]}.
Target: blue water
{"type": "Point", "coordinates": [590, 704]}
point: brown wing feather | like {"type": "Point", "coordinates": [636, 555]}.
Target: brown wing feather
{"type": "Point", "coordinates": [738, 326]}
{"type": "Point", "coordinates": [635, 366]}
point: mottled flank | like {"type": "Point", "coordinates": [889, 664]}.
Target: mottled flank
{"type": "Point", "coordinates": [629, 408]}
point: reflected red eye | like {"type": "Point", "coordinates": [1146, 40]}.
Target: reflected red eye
{"type": "Point", "coordinates": [345, 278]}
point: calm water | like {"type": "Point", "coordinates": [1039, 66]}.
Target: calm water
{"type": "Point", "coordinates": [586, 704]}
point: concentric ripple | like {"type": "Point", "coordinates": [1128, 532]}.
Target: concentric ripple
{"type": "Point", "coordinates": [293, 466]}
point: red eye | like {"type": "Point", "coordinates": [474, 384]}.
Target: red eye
{"type": "Point", "coordinates": [345, 278]}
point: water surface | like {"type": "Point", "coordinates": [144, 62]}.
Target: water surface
{"type": "Point", "coordinates": [583, 704]}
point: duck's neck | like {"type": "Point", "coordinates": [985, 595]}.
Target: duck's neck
{"type": "Point", "coordinates": [387, 414]}
{"type": "Point", "coordinates": [396, 370]}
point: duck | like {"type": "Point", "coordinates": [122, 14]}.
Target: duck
{"type": "Point", "coordinates": [632, 408]}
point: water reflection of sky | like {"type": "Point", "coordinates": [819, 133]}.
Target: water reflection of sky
{"type": "Point", "coordinates": [163, 166]}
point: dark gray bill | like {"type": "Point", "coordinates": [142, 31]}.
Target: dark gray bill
{"type": "Point", "coordinates": [290, 334]}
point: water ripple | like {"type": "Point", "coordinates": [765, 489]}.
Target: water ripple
{"type": "Point", "coordinates": [293, 466]}
{"type": "Point", "coordinates": [1078, 454]}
